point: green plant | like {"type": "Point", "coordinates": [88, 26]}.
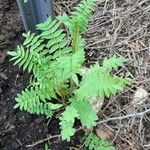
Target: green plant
{"type": "Point", "coordinates": [46, 147]}
{"type": "Point", "coordinates": [93, 142]}
{"type": "Point", "coordinates": [25, 1]}
{"type": "Point", "coordinates": [55, 61]}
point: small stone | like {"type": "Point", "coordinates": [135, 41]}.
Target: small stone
{"type": "Point", "coordinates": [3, 76]}
{"type": "Point", "coordinates": [96, 103]}
{"type": "Point", "coordinates": [140, 96]}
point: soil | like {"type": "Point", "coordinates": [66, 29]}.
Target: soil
{"type": "Point", "coordinates": [117, 27]}
{"type": "Point", "coordinates": [18, 129]}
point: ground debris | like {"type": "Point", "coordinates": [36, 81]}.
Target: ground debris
{"type": "Point", "coordinates": [140, 96]}
{"type": "Point", "coordinates": [104, 132]}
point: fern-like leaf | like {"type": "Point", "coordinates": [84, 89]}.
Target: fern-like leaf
{"type": "Point", "coordinates": [79, 18]}
{"type": "Point", "coordinates": [82, 14]}
{"type": "Point", "coordinates": [30, 55]}
{"type": "Point", "coordinates": [70, 65]}
{"type": "Point", "coordinates": [113, 63]}
{"type": "Point", "coordinates": [56, 39]}
{"type": "Point", "coordinates": [94, 143]}
{"type": "Point", "coordinates": [98, 82]}
{"type": "Point", "coordinates": [67, 121]}
{"type": "Point", "coordinates": [34, 101]}
{"type": "Point", "coordinates": [87, 116]}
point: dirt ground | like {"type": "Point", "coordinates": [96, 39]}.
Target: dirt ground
{"type": "Point", "coordinates": [17, 129]}
{"type": "Point", "coordinates": [117, 27]}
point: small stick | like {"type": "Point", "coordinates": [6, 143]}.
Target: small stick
{"type": "Point", "coordinates": [125, 117]}
{"type": "Point", "coordinates": [43, 140]}
{"type": "Point", "coordinates": [100, 122]}
{"type": "Point", "coordinates": [48, 138]}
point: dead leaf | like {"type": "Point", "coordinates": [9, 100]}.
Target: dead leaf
{"type": "Point", "coordinates": [104, 132]}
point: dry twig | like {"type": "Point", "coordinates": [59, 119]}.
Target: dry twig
{"type": "Point", "coordinates": [125, 117]}
{"type": "Point", "coordinates": [43, 140]}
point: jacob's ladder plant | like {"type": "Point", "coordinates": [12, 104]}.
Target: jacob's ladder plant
{"type": "Point", "coordinates": [55, 61]}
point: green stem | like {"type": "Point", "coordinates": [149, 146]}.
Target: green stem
{"type": "Point", "coordinates": [74, 39]}
{"type": "Point", "coordinates": [62, 96]}
{"type": "Point", "coordinates": [72, 86]}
